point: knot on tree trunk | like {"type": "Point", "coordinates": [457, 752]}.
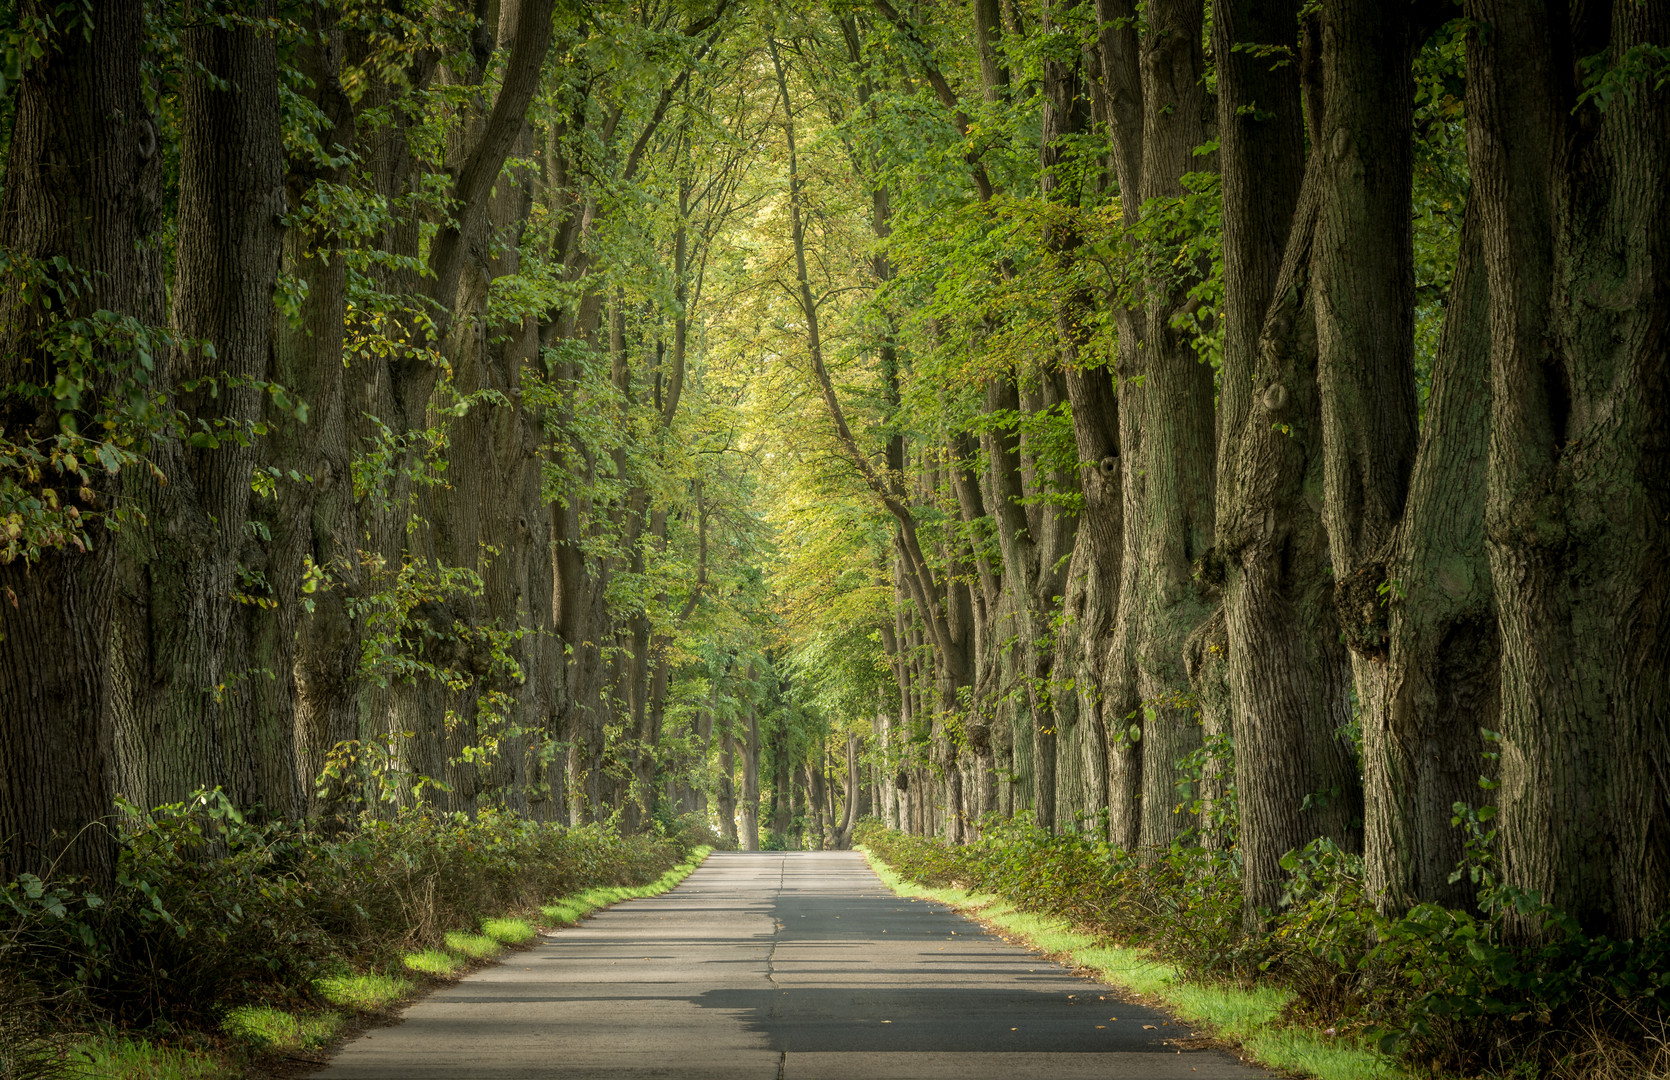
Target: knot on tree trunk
{"type": "Point", "coordinates": [1362, 599]}
{"type": "Point", "coordinates": [1210, 569]}
{"type": "Point", "coordinates": [1275, 399]}
{"type": "Point", "coordinates": [901, 780]}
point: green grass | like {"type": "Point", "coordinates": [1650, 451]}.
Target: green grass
{"type": "Point", "coordinates": [509, 931]}
{"type": "Point", "coordinates": [570, 909]}
{"type": "Point", "coordinates": [264, 1027]}
{"type": "Point", "coordinates": [462, 947]}
{"type": "Point", "coordinates": [258, 1027]}
{"type": "Point", "coordinates": [473, 946]}
{"type": "Point", "coordinates": [1245, 1016]}
{"type": "Point", "coordinates": [433, 962]}
{"type": "Point", "coordinates": [119, 1058]}
{"type": "Point", "coordinates": [364, 993]}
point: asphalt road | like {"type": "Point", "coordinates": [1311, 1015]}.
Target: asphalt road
{"type": "Point", "coordinates": [779, 965]}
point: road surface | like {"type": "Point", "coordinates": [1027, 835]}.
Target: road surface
{"type": "Point", "coordinates": [779, 966]}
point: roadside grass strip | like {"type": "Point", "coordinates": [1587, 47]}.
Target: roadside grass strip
{"type": "Point", "coordinates": [436, 962]}
{"type": "Point", "coordinates": [570, 909]}
{"type": "Point", "coordinates": [264, 1027]}
{"type": "Point", "coordinates": [1248, 1018]}
{"type": "Point", "coordinates": [364, 993]}
{"type": "Point", "coordinates": [509, 931]}
{"type": "Point", "coordinates": [472, 946]}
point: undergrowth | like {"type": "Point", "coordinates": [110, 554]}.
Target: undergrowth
{"type": "Point", "coordinates": [232, 936]}
{"type": "Point", "coordinates": [1447, 992]}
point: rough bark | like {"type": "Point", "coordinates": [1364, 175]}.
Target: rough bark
{"type": "Point", "coordinates": [1261, 155]}
{"type": "Point", "coordinates": [1576, 244]}
{"type": "Point", "coordinates": [1178, 431]}
{"type": "Point", "coordinates": [855, 795]}
{"type": "Point", "coordinates": [1289, 676]}
{"type": "Point", "coordinates": [311, 652]}
{"type": "Point", "coordinates": [1119, 102]}
{"type": "Point", "coordinates": [83, 182]}
{"type": "Point", "coordinates": [1363, 289]}
{"type": "Point", "coordinates": [185, 719]}
{"type": "Point", "coordinates": [1442, 643]}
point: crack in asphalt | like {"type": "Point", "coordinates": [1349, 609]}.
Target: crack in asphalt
{"type": "Point", "coordinates": [777, 927]}
{"type": "Point", "coordinates": [776, 923]}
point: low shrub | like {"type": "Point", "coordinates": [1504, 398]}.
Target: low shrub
{"type": "Point", "coordinates": [688, 832]}
{"type": "Point", "coordinates": [214, 912]}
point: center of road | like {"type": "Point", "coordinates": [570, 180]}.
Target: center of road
{"type": "Point", "coordinates": [780, 964]}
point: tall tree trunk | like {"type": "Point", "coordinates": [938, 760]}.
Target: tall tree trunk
{"type": "Point", "coordinates": [751, 768]}
{"type": "Point", "coordinates": [782, 769]}
{"type": "Point", "coordinates": [817, 809]}
{"type": "Point", "coordinates": [1178, 452]}
{"type": "Point", "coordinates": [727, 784]}
{"type": "Point", "coordinates": [1576, 244]}
{"type": "Point", "coordinates": [186, 719]}
{"type": "Point", "coordinates": [1363, 279]}
{"type": "Point", "coordinates": [312, 652]}
{"type": "Point", "coordinates": [849, 815]}
{"type": "Point", "coordinates": [1442, 644]}
{"type": "Point", "coordinates": [83, 183]}
{"type": "Point", "coordinates": [1119, 103]}
{"type": "Point", "coordinates": [1287, 676]}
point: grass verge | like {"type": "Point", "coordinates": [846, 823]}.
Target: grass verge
{"type": "Point", "coordinates": [569, 910]}
{"type": "Point", "coordinates": [1249, 1018]}
{"type": "Point", "coordinates": [264, 1026]}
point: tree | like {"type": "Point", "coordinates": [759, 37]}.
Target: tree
{"type": "Point", "coordinates": [1567, 140]}
{"type": "Point", "coordinates": [82, 204]}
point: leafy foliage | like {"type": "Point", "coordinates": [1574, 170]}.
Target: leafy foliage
{"type": "Point", "coordinates": [213, 910]}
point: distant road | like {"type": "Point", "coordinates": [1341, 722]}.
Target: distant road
{"type": "Point", "coordinates": [789, 965]}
